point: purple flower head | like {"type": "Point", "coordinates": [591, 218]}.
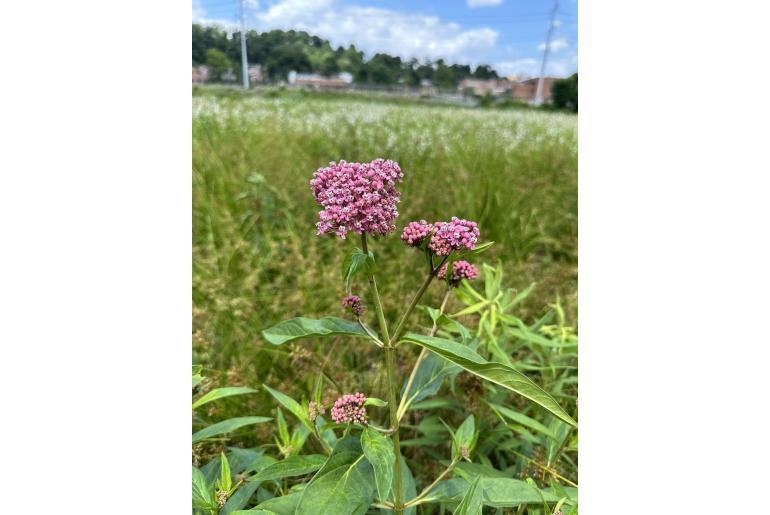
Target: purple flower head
{"type": "Point", "coordinates": [350, 408]}
{"type": "Point", "coordinates": [460, 270]}
{"type": "Point", "coordinates": [415, 232]}
{"type": "Point", "coordinates": [454, 235]}
{"type": "Point", "coordinates": [357, 197]}
{"type": "Point", "coordinates": [354, 303]}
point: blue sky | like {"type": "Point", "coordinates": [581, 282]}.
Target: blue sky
{"type": "Point", "coordinates": [508, 34]}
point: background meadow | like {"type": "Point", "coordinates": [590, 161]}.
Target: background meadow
{"type": "Point", "coordinates": [257, 260]}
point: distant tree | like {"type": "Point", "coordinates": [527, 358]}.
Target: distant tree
{"type": "Point", "coordinates": [444, 76]}
{"type": "Point", "coordinates": [280, 51]}
{"type": "Point", "coordinates": [218, 62]}
{"type": "Point", "coordinates": [564, 93]}
{"type": "Point", "coordinates": [285, 58]}
{"type": "Point", "coordinates": [484, 71]}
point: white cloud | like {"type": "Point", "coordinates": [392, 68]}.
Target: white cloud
{"type": "Point", "coordinates": [373, 29]}
{"type": "Point", "coordinates": [483, 3]}
{"type": "Point", "coordinates": [555, 46]}
{"type": "Point", "coordinates": [530, 67]}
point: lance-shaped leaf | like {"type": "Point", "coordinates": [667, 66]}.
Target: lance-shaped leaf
{"type": "Point", "coordinates": [378, 449]}
{"type": "Point", "coordinates": [290, 404]}
{"type": "Point", "coordinates": [301, 327]}
{"type": "Point", "coordinates": [471, 501]}
{"type": "Point", "coordinates": [227, 426]}
{"type": "Point", "coordinates": [291, 467]}
{"type": "Point", "coordinates": [497, 373]}
{"type": "Point", "coordinates": [496, 492]}
{"type": "Point", "coordinates": [218, 393]}
{"type": "Point", "coordinates": [202, 496]}
{"type": "Point", "coordinates": [343, 486]}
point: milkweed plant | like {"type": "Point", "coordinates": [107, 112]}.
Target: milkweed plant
{"type": "Point", "coordinates": [361, 467]}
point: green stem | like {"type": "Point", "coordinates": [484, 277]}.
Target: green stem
{"type": "Point", "coordinates": [376, 295]}
{"type": "Point", "coordinates": [398, 497]}
{"type": "Point", "coordinates": [398, 494]}
{"type": "Point", "coordinates": [402, 323]}
{"type": "Point", "coordinates": [404, 404]}
{"type": "Point", "coordinates": [431, 486]}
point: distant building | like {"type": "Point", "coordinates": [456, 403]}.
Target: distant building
{"type": "Point", "coordinates": [255, 73]}
{"type": "Point", "coordinates": [200, 74]}
{"type": "Point", "coordinates": [480, 88]}
{"type": "Point", "coordinates": [228, 76]}
{"type": "Point", "coordinates": [316, 81]}
{"type": "Point", "coordinates": [526, 89]}
{"type": "Point", "coordinates": [427, 89]}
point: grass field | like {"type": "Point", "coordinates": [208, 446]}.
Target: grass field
{"type": "Point", "coordinates": [256, 258]}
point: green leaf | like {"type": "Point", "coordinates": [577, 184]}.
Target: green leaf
{"type": "Point", "coordinates": [225, 479]}
{"type": "Point", "coordinates": [196, 379]}
{"type": "Point", "coordinates": [227, 426]}
{"type": "Point", "coordinates": [284, 505]}
{"type": "Point", "coordinates": [507, 493]}
{"type": "Point", "coordinates": [354, 263]}
{"type": "Point", "coordinates": [219, 393]}
{"type": "Point", "coordinates": [465, 436]}
{"type": "Point", "coordinates": [408, 487]}
{"type": "Point", "coordinates": [496, 492]}
{"type": "Point", "coordinates": [343, 486]}
{"type": "Point", "coordinates": [480, 248]}
{"type": "Point", "coordinates": [378, 449]}
{"type": "Point", "coordinates": [257, 511]}
{"type": "Point", "coordinates": [239, 499]}
{"type": "Point", "coordinates": [471, 501]}
{"type": "Point", "coordinates": [522, 419]}
{"type": "Point", "coordinates": [497, 373]}
{"type": "Point", "coordinates": [428, 378]}
{"type": "Point", "coordinates": [301, 327]}
{"type": "Point", "coordinates": [327, 435]}
{"type": "Point", "coordinates": [291, 467]}
{"type": "Point", "coordinates": [202, 496]}
{"type": "Point", "coordinates": [283, 429]}
{"type": "Point", "coordinates": [374, 401]}
{"type": "Point", "coordinates": [290, 404]}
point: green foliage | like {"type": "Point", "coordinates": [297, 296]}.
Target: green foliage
{"type": "Point", "coordinates": [227, 426]}
{"type": "Point", "coordinates": [218, 62]}
{"type": "Point", "coordinates": [256, 262]}
{"type": "Point", "coordinates": [497, 373]}
{"type": "Point", "coordinates": [302, 327]}
{"type": "Point", "coordinates": [280, 52]}
{"type": "Point", "coordinates": [564, 93]}
{"type": "Point", "coordinates": [378, 450]}
{"type": "Point", "coordinates": [344, 485]}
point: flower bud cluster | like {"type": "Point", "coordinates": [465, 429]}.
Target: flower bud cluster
{"type": "Point", "coordinates": [350, 408]}
{"type": "Point", "coordinates": [460, 270]}
{"type": "Point", "coordinates": [353, 302]}
{"type": "Point", "coordinates": [443, 237]}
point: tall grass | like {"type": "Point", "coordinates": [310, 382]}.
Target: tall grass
{"type": "Point", "coordinates": [256, 259]}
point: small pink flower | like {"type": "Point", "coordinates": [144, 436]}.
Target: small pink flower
{"type": "Point", "coordinates": [357, 197]}
{"type": "Point", "coordinates": [350, 408]}
{"type": "Point", "coordinates": [415, 232]}
{"type": "Point", "coordinates": [460, 270]}
{"type": "Point", "coordinates": [353, 302]}
{"type": "Point", "coordinates": [454, 235]}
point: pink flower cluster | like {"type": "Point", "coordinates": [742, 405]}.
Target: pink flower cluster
{"type": "Point", "coordinates": [460, 270]}
{"type": "Point", "coordinates": [415, 232]}
{"type": "Point", "coordinates": [350, 408]}
{"type": "Point", "coordinates": [357, 197]}
{"type": "Point", "coordinates": [454, 235]}
{"type": "Point", "coordinates": [353, 302]}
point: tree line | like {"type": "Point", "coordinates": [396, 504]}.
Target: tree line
{"type": "Point", "coordinates": [279, 52]}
